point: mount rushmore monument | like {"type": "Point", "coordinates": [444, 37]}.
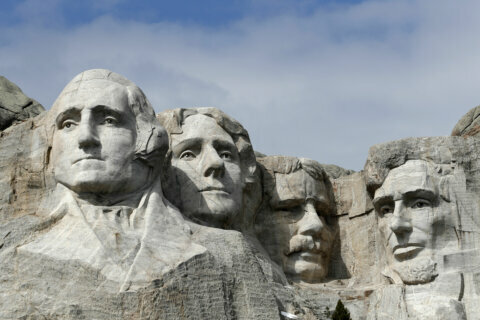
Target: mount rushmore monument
{"type": "Point", "coordinates": [111, 211]}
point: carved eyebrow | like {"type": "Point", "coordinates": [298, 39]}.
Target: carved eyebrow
{"type": "Point", "coordinates": [407, 195]}
{"type": "Point", "coordinates": [225, 144]}
{"type": "Point", "coordinates": [185, 144]}
{"type": "Point", "coordinates": [286, 203]}
{"type": "Point", "coordinates": [382, 200]}
{"type": "Point", "coordinates": [108, 110]}
{"type": "Point", "coordinates": [69, 113]}
{"type": "Point", "coordinates": [421, 193]}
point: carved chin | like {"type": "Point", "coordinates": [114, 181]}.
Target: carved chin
{"type": "Point", "coordinates": [307, 271]}
{"type": "Point", "coordinates": [89, 186]}
{"type": "Point", "coordinates": [211, 206]}
{"type": "Point", "coordinates": [422, 270]}
{"type": "Point", "coordinates": [92, 181]}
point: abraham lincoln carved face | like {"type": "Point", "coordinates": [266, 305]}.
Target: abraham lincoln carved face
{"type": "Point", "coordinates": [413, 218]}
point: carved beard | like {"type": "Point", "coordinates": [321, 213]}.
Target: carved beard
{"type": "Point", "coordinates": [423, 270]}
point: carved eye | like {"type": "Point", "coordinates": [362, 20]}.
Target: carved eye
{"type": "Point", "coordinates": [421, 203]}
{"type": "Point", "coordinates": [226, 155]}
{"type": "Point", "coordinates": [110, 121]}
{"type": "Point", "coordinates": [68, 124]}
{"type": "Point", "coordinates": [297, 208]}
{"type": "Point", "coordinates": [187, 155]}
{"type": "Point", "coordinates": [386, 209]}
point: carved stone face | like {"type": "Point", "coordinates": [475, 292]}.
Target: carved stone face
{"type": "Point", "coordinates": [410, 220]}
{"type": "Point", "coordinates": [94, 141]}
{"type": "Point", "coordinates": [206, 166]}
{"type": "Point", "coordinates": [295, 232]}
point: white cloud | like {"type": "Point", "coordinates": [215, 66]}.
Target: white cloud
{"type": "Point", "coordinates": [326, 85]}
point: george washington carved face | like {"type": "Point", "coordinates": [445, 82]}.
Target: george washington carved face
{"type": "Point", "coordinates": [106, 139]}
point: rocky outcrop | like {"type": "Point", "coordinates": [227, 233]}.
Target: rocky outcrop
{"type": "Point", "coordinates": [469, 124]}
{"type": "Point", "coordinates": [15, 106]}
{"type": "Point", "coordinates": [259, 237]}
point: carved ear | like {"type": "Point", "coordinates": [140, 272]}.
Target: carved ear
{"type": "Point", "coordinates": [152, 139]}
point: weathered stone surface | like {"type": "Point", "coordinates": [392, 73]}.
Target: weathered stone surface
{"type": "Point", "coordinates": [469, 124]}
{"type": "Point", "coordinates": [86, 231]}
{"type": "Point", "coordinates": [335, 172]}
{"type": "Point", "coordinates": [426, 198]}
{"type": "Point", "coordinates": [210, 165]}
{"type": "Point", "coordinates": [295, 222]}
{"type": "Point", "coordinates": [15, 106]}
{"type": "Point", "coordinates": [351, 195]}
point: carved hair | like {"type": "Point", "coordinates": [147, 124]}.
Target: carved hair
{"type": "Point", "coordinates": [151, 142]}
{"type": "Point", "coordinates": [442, 173]}
{"type": "Point", "coordinates": [438, 160]}
{"type": "Point", "coordinates": [173, 120]}
{"type": "Point", "coordinates": [286, 165]}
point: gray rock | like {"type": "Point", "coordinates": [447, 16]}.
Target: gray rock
{"type": "Point", "coordinates": [296, 218]}
{"type": "Point", "coordinates": [15, 106]}
{"type": "Point", "coordinates": [469, 124]}
{"type": "Point", "coordinates": [87, 233]}
{"type": "Point", "coordinates": [425, 194]}
{"type": "Point", "coordinates": [335, 172]}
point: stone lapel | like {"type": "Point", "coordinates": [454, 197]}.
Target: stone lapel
{"type": "Point", "coordinates": [131, 247]}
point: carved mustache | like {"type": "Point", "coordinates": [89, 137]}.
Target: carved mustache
{"type": "Point", "coordinates": [301, 243]}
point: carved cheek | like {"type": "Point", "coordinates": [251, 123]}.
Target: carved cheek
{"type": "Point", "coordinates": [60, 148]}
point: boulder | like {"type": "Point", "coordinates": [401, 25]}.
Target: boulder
{"type": "Point", "coordinates": [15, 106]}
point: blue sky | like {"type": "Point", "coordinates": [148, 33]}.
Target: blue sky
{"type": "Point", "coordinates": [207, 13]}
{"type": "Point", "coordinates": [318, 79]}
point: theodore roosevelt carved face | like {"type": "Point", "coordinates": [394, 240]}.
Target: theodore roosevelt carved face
{"type": "Point", "coordinates": [294, 227]}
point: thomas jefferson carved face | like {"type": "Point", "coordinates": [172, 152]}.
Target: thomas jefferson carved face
{"type": "Point", "coordinates": [295, 233]}
{"type": "Point", "coordinates": [206, 167]}
{"type": "Point", "coordinates": [94, 141]}
{"type": "Point", "coordinates": [411, 220]}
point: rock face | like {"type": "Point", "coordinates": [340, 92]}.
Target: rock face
{"type": "Point", "coordinates": [469, 124]}
{"type": "Point", "coordinates": [15, 106]}
{"type": "Point", "coordinates": [108, 211]}
{"type": "Point", "coordinates": [425, 194]}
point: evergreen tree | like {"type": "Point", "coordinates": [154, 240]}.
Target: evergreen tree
{"type": "Point", "coordinates": [341, 313]}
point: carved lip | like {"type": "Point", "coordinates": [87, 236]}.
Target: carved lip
{"type": "Point", "coordinates": [87, 158]}
{"type": "Point", "coordinates": [309, 255]}
{"type": "Point", "coordinates": [404, 251]}
{"type": "Point", "coordinates": [305, 252]}
{"type": "Point", "coordinates": [215, 189]}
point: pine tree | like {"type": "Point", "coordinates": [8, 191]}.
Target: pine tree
{"type": "Point", "coordinates": [341, 313]}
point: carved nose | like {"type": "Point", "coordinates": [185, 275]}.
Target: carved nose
{"type": "Point", "coordinates": [400, 223]}
{"type": "Point", "coordinates": [87, 136]}
{"type": "Point", "coordinates": [310, 224]}
{"type": "Point", "coordinates": [212, 163]}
